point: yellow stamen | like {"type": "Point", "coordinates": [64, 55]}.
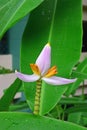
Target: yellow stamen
{"type": "Point", "coordinates": [35, 69]}
{"type": "Point", "coordinates": [52, 71]}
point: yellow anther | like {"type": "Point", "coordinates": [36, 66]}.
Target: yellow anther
{"type": "Point", "coordinates": [52, 71]}
{"type": "Point", "coordinates": [35, 69]}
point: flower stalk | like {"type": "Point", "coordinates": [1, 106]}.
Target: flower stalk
{"type": "Point", "coordinates": [37, 97]}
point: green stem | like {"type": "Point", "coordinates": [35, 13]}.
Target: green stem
{"type": "Point", "coordinates": [64, 111]}
{"type": "Point", "coordinates": [37, 97]}
{"type": "Point", "coordinates": [52, 21]}
{"type": "Point", "coordinates": [83, 90]}
{"type": "Point", "coordinates": [58, 112]}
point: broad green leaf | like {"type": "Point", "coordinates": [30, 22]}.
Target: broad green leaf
{"type": "Point", "coordinates": [82, 68]}
{"type": "Point", "coordinates": [84, 121]}
{"type": "Point", "coordinates": [60, 23]}
{"type": "Point", "coordinates": [21, 121]}
{"type": "Point", "coordinates": [13, 10]}
{"type": "Point", "coordinates": [8, 96]}
{"type": "Point", "coordinates": [78, 117]}
{"type": "Point", "coordinates": [75, 117]}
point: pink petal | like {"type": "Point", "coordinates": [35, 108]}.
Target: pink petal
{"type": "Point", "coordinates": [44, 59]}
{"type": "Point", "coordinates": [27, 78]}
{"type": "Point", "coordinates": [54, 80]}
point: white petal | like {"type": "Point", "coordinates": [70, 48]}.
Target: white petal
{"type": "Point", "coordinates": [54, 80]}
{"type": "Point", "coordinates": [27, 78]}
{"type": "Point", "coordinates": [44, 59]}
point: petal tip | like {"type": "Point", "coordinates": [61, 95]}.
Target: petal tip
{"type": "Point", "coordinates": [74, 79]}
{"type": "Point", "coordinates": [15, 71]}
{"type": "Point", "coordinates": [48, 44]}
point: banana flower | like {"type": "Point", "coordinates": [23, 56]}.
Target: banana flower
{"type": "Point", "coordinates": [42, 71]}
